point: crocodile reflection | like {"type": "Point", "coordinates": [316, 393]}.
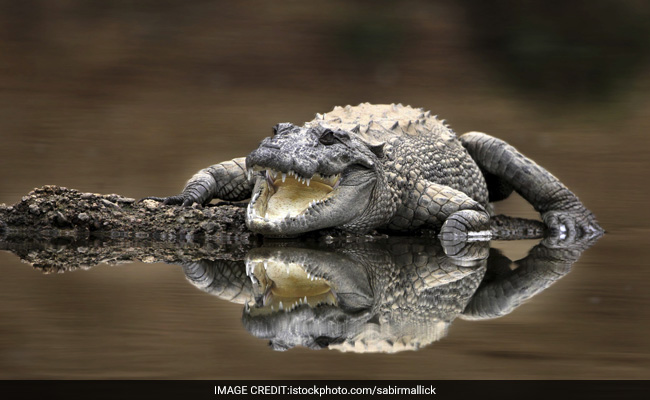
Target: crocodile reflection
{"type": "Point", "coordinates": [383, 296]}
{"type": "Point", "coordinates": [380, 295]}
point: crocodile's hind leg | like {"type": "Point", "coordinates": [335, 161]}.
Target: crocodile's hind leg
{"type": "Point", "coordinates": [430, 205]}
{"type": "Point", "coordinates": [561, 210]}
{"type": "Point", "coordinates": [226, 181]}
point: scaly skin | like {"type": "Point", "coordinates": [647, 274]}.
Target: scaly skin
{"type": "Point", "coordinates": [386, 167]}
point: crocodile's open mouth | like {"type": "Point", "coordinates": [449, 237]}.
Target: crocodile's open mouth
{"type": "Point", "coordinates": [286, 203]}
{"type": "Point", "coordinates": [284, 287]}
{"type": "Point", "coordinates": [288, 195]}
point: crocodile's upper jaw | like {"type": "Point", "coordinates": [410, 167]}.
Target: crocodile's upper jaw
{"type": "Point", "coordinates": [286, 204]}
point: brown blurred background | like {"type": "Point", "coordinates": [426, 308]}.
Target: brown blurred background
{"type": "Point", "coordinates": [133, 97]}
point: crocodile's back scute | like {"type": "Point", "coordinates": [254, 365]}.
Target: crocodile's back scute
{"type": "Point", "coordinates": [418, 145]}
{"type": "Point", "coordinates": [379, 122]}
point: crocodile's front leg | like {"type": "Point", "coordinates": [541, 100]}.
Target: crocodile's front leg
{"type": "Point", "coordinates": [430, 205]}
{"type": "Point", "coordinates": [225, 279]}
{"type": "Point", "coordinates": [226, 181]}
{"type": "Point", "coordinates": [561, 210]}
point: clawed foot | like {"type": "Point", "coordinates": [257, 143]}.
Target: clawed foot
{"type": "Point", "coordinates": [466, 225]}
{"type": "Point", "coordinates": [568, 227]}
{"type": "Point", "coordinates": [465, 236]}
{"type": "Point", "coordinates": [178, 200]}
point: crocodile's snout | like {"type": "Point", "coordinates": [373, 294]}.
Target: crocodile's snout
{"type": "Point", "coordinates": [300, 179]}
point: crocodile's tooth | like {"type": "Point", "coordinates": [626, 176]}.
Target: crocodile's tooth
{"type": "Point", "coordinates": [284, 177]}
{"type": "Point", "coordinates": [266, 265]}
{"type": "Point", "coordinates": [305, 299]}
{"type": "Point", "coordinates": [272, 308]}
{"type": "Point", "coordinates": [280, 306]}
{"type": "Point", "coordinates": [266, 216]}
{"type": "Point", "coordinates": [308, 180]}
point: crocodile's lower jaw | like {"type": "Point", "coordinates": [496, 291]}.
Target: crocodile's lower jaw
{"type": "Point", "coordinates": [285, 203]}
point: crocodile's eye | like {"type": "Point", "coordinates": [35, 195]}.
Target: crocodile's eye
{"type": "Point", "coordinates": [342, 136]}
{"type": "Point", "coordinates": [327, 138]}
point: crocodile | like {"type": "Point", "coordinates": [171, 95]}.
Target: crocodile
{"type": "Point", "coordinates": [383, 167]}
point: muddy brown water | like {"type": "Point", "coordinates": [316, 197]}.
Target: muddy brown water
{"type": "Point", "coordinates": [124, 109]}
